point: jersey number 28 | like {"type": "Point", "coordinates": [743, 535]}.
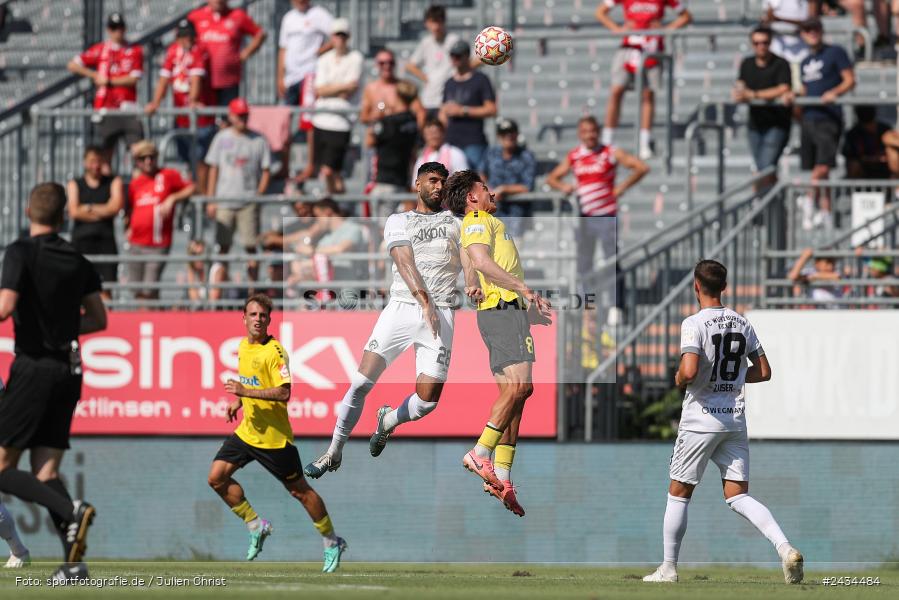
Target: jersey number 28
{"type": "Point", "coordinates": [728, 358]}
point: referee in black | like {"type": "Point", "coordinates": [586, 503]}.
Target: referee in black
{"type": "Point", "coordinates": [44, 286]}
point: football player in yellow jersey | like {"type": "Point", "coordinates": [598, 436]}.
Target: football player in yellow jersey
{"type": "Point", "coordinates": [265, 435]}
{"type": "Point", "coordinates": [503, 320]}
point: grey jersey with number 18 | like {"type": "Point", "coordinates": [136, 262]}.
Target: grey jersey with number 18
{"type": "Point", "coordinates": [435, 239]}
{"type": "Point", "coordinates": [723, 339]}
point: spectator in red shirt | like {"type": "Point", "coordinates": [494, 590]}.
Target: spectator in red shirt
{"type": "Point", "coordinates": [222, 29]}
{"type": "Point", "coordinates": [152, 197]}
{"type": "Point", "coordinates": [638, 15]}
{"type": "Point", "coordinates": [186, 70]}
{"type": "Point", "coordinates": [115, 68]}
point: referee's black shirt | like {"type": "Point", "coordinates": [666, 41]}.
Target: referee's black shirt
{"type": "Point", "coordinates": [51, 278]}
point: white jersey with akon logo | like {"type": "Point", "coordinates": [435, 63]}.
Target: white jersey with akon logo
{"type": "Point", "coordinates": [723, 339]}
{"type": "Point", "coordinates": [435, 239]}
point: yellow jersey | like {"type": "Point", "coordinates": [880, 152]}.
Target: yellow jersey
{"type": "Point", "coordinates": [260, 366]}
{"type": "Point", "coordinates": [480, 227]}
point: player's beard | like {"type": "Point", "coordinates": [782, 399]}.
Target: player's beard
{"type": "Point", "coordinates": [433, 203]}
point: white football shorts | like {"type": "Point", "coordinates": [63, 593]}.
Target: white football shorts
{"type": "Point", "coordinates": [401, 325]}
{"type": "Point", "coordinates": [693, 450]}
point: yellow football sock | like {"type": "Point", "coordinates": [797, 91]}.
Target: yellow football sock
{"type": "Point", "coordinates": [504, 456]}
{"type": "Point", "coordinates": [245, 511]}
{"type": "Point", "coordinates": [324, 526]}
{"type": "Point", "coordinates": [490, 438]}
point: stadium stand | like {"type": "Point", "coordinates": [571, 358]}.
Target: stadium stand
{"type": "Point", "coordinates": [560, 71]}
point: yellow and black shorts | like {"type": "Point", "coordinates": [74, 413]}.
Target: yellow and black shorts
{"type": "Point", "coordinates": [283, 463]}
{"type": "Point", "coordinates": [507, 334]}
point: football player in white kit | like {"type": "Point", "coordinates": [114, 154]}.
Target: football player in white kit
{"type": "Point", "coordinates": [425, 247]}
{"type": "Point", "coordinates": [717, 345]}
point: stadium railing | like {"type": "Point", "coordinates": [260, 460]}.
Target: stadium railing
{"type": "Point", "coordinates": [754, 236]}
{"type": "Point", "coordinates": [718, 116]}
{"type": "Point", "coordinates": [659, 286]}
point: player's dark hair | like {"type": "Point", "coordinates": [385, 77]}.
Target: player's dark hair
{"type": "Point", "coordinates": [262, 300]}
{"type": "Point", "coordinates": [762, 29]}
{"type": "Point", "coordinates": [588, 119]}
{"type": "Point", "coordinates": [432, 167]}
{"type": "Point", "coordinates": [46, 204]}
{"type": "Point", "coordinates": [435, 12]}
{"type": "Point", "coordinates": [456, 189]}
{"type": "Point", "coordinates": [433, 122]}
{"type": "Point", "coordinates": [712, 277]}
{"type": "Point", "coordinates": [93, 149]}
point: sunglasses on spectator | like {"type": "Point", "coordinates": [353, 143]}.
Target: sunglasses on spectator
{"type": "Point", "coordinates": [144, 157]}
{"type": "Point", "coordinates": [761, 42]}
{"type": "Point", "coordinates": [386, 63]}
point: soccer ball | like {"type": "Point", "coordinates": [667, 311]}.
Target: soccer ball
{"type": "Point", "coordinates": [493, 45]}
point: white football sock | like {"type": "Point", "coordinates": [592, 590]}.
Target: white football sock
{"type": "Point", "coordinates": [501, 473]}
{"type": "Point", "coordinates": [412, 409]}
{"type": "Point", "coordinates": [349, 411]}
{"type": "Point", "coordinates": [758, 514]}
{"type": "Point", "coordinates": [645, 138]}
{"type": "Point", "coordinates": [330, 540]}
{"type": "Point", "coordinates": [673, 529]}
{"type": "Point", "coordinates": [608, 134]}
{"type": "Point", "coordinates": [8, 532]}
{"type": "Point", "coordinates": [254, 524]}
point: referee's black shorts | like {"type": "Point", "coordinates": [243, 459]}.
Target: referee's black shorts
{"type": "Point", "coordinates": [37, 406]}
{"type": "Point", "coordinates": [507, 334]}
{"type": "Point", "coordinates": [283, 463]}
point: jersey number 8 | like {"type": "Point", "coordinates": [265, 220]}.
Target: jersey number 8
{"type": "Point", "coordinates": [726, 356]}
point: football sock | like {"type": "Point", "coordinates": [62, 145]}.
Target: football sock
{"type": "Point", "coordinates": [502, 461]}
{"type": "Point", "coordinates": [349, 411]}
{"type": "Point", "coordinates": [608, 134]}
{"type": "Point", "coordinates": [488, 441]}
{"type": "Point", "coordinates": [326, 529]}
{"type": "Point", "coordinates": [8, 532]}
{"type": "Point", "coordinates": [25, 486]}
{"type": "Point", "coordinates": [645, 137]}
{"type": "Point", "coordinates": [673, 528]}
{"type": "Point", "coordinates": [758, 514]}
{"type": "Point", "coordinates": [58, 522]}
{"type": "Point", "coordinates": [246, 512]}
{"type": "Point", "coordinates": [412, 409]}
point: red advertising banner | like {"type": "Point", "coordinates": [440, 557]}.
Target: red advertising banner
{"type": "Point", "coordinates": [162, 373]}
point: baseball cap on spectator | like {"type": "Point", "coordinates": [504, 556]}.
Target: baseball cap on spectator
{"type": "Point", "coordinates": [239, 107]}
{"type": "Point", "coordinates": [811, 24]}
{"type": "Point", "coordinates": [186, 28]}
{"type": "Point", "coordinates": [115, 21]}
{"type": "Point", "coordinates": [340, 25]}
{"type": "Point", "coordinates": [505, 126]}
{"type": "Point", "coordinates": [460, 48]}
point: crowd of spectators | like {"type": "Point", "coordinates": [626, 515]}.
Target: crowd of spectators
{"type": "Point", "coordinates": [444, 121]}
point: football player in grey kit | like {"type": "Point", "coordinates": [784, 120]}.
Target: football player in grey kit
{"type": "Point", "coordinates": [425, 247]}
{"type": "Point", "coordinates": [717, 345]}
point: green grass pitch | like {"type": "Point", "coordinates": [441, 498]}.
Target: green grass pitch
{"type": "Point", "coordinates": [438, 581]}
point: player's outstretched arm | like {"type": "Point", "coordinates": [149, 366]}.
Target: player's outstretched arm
{"type": "Point", "coordinates": [760, 370]}
{"type": "Point", "coordinates": [472, 285]}
{"type": "Point", "coordinates": [687, 371]}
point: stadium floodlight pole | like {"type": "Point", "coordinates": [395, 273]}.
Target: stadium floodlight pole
{"type": "Point", "coordinates": [671, 296]}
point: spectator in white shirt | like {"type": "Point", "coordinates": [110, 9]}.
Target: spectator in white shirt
{"type": "Point", "coordinates": [437, 150]}
{"type": "Point", "coordinates": [337, 77]}
{"type": "Point", "coordinates": [784, 18]}
{"type": "Point", "coordinates": [303, 38]}
{"type": "Point", "coordinates": [430, 62]}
